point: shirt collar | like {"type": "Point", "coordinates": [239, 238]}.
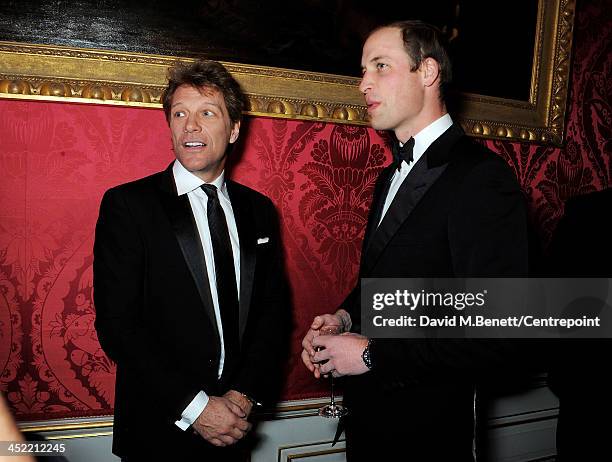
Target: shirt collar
{"type": "Point", "coordinates": [187, 182]}
{"type": "Point", "coordinates": [429, 134]}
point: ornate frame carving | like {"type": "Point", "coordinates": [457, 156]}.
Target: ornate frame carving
{"type": "Point", "coordinates": [92, 76]}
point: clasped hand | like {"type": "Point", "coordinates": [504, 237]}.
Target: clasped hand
{"type": "Point", "coordinates": [224, 419]}
{"type": "Point", "coordinates": [338, 354]}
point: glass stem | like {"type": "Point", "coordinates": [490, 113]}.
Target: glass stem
{"type": "Point", "coordinates": [333, 399]}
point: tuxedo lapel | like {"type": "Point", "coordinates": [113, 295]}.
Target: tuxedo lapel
{"type": "Point", "coordinates": [423, 175]}
{"type": "Point", "coordinates": [378, 201]}
{"type": "Point", "coordinates": [243, 215]}
{"type": "Point", "coordinates": [185, 229]}
{"type": "Point", "coordinates": [412, 190]}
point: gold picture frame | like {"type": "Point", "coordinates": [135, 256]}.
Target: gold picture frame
{"type": "Point", "coordinates": [55, 73]}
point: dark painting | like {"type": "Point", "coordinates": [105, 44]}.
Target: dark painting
{"type": "Point", "coordinates": [491, 42]}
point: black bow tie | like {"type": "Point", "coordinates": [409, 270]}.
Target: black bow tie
{"type": "Point", "coordinates": [401, 153]}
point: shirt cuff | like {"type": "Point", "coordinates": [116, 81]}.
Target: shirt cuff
{"type": "Point", "coordinates": [192, 411]}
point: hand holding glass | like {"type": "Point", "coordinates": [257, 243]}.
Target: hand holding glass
{"type": "Point", "coordinates": [332, 410]}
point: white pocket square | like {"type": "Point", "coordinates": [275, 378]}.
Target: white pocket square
{"type": "Point", "coordinates": [262, 240]}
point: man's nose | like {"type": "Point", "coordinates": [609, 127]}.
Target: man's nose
{"type": "Point", "coordinates": [191, 124]}
{"type": "Point", "coordinates": [365, 85]}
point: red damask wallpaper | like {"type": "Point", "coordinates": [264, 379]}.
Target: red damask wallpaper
{"type": "Point", "coordinates": [57, 159]}
{"type": "Point", "coordinates": [549, 176]}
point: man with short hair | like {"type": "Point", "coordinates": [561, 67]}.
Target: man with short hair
{"type": "Point", "coordinates": [446, 207]}
{"type": "Point", "coordinates": [189, 286]}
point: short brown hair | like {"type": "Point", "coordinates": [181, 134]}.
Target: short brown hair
{"type": "Point", "coordinates": [205, 73]}
{"type": "Point", "coordinates": [422, 41]}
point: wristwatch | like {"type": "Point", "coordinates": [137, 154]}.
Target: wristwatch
{"type": "Point", "coordinates": [251, 400]}
{"type": "Point", "coordinates": [367, 359]}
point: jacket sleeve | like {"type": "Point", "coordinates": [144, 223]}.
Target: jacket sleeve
{"type": "Point", "coordinates": [120, 259]}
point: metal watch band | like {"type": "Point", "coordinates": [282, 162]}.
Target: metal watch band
{"type": "Point", "coordinates": [367, 359]}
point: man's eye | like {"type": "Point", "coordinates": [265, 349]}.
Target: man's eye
{"type": "Point", "coordinates": [381, 66]}
{"type": "Point", "coordinates": [179, 114]}
{"type": "Point", "coordinates": [207, 113]}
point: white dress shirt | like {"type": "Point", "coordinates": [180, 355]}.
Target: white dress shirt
{"type": "Point", "coordinates": [188, 183]}
{"type": "Point", "coordinates": [422, 141]}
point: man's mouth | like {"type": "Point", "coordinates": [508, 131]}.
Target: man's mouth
{"type": "Point", "coordinates": [372, 105]}
{"type": "Point", "coordinates": [194, 144]}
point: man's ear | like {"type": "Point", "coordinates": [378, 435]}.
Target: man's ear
{"type": "Point", "coordinates": [430, 71]}
{"type": "Point", "coordinates": [234, 133]}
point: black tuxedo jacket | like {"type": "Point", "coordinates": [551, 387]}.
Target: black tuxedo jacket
{"type": "Point", "coordinates": [459, 212]}
{"type": "Point", "coordinates": [155, 316]}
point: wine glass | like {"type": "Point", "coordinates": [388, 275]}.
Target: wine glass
{"type": "Point", "coordinates": [332, 410]}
